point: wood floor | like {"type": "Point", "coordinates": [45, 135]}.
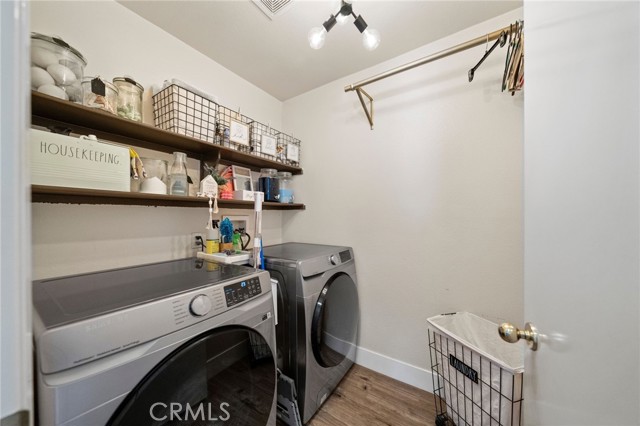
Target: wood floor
{"type": "Point", "coordinates": [366, 398]}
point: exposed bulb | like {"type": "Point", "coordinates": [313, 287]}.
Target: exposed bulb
{"type": "Point", "coordinates": [317, 35]}
{"type": "Point", "coordinates": [370, 38]}
{"type": "Point", "coordinates": [342, 19]}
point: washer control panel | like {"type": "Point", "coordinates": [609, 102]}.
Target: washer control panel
{"type": "Point", "coordinates": [243, 290]}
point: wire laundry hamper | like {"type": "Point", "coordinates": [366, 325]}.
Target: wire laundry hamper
{"type": "Point", "coordinates": [477, 377]}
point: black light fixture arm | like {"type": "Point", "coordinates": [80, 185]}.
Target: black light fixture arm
{"type": "Point", "coordinates": [360, 24]}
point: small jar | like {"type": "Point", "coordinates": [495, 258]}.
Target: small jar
{"type": "Point", "coordinates": [285, 190]}
{"type": "Point", "coordinates": [129, 98]}
{"type": "Point", "coordinates": [268, 183]}
{"type": "Point", "coordinates": [178, 183]}
{"type": "Point", "coordinates": [105, 100]}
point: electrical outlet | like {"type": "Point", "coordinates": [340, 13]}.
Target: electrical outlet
{"type": "Point", "coordinates": [195, 243]}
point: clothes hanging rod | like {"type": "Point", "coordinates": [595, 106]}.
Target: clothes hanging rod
{"type": "Point", "coordinates": [357, 87]}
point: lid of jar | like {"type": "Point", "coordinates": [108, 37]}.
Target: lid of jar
{"type": "Point", "coordinates": [128, 80]}
{"type": "Point", "coordinates": [60, 42]}
{"type": "Point", "coordinates": [87, 79]}
{"type": "Point", "coordinates": [284, 174]}
{"type": "Point", "coordinates": [268, 171]}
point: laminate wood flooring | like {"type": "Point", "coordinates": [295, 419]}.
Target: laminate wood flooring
{"type": "Point", "coordinates": [367, 398]}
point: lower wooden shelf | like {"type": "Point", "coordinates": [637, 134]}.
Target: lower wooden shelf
{"type": "Point", "coordinates": [62, 195]}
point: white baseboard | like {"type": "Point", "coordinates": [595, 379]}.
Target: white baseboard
{"type": "Point", "coordinates": [399, 370]}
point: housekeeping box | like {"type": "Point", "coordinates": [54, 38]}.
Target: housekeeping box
{"type": "Point", "coordinates": [85, 162]}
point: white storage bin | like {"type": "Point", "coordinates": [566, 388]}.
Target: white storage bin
{"type": "Point", "coordinates": [477, 377]}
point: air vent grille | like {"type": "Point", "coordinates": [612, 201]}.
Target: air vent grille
{"type": "Point", "coordinates": [273, 8]}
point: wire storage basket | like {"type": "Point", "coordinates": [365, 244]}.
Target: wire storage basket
{"type": "Point", "coordinates": [264, 141]}
{"type": "Point", "coordinates": [182, 110]}
{"type": "Point", "coordinates": [477, 377]}
{"type": "Point", "coordinates": [234, 130]}
{"type": "Point", "coordinates": [288, 150]}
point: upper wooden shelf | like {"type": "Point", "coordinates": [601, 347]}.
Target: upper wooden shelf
{"type": "Point", "coordinates": [63, 195]}
{"type": "Point", "coordinates": [47, 110]}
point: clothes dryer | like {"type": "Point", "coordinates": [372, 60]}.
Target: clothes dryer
{"type": "Point", "coordinates": [318, 317]}
{"type": "Point", "coordinates": [185, 342]}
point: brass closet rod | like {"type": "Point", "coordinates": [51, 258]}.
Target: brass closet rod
{"type": "Point", "coordinates": [358, 87]}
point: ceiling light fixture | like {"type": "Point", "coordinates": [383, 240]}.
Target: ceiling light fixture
{"type": "Point", "coordinates": [370, 36]}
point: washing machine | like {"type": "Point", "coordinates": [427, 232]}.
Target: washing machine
{"type": "Point", "coordinates": [318, 317]}
{"type": "Point", "coordinates": [184, 342]}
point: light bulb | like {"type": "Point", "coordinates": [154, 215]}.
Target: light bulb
{"type": "Point", "coordinates": [370, 38]}
{"type": "Point", "coordinates": [341, 18]}
{"type": "Point", "coordinates": [317, 35]}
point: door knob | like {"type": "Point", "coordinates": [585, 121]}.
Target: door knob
{"type": "Point", "coordinates": [511, 334]}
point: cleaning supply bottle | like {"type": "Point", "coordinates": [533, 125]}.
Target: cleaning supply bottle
{"type": "Point", "coordinates": [213, 238]}
{"type": "Point", "coordinates": [237, 245]}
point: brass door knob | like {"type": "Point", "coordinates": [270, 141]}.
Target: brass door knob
{"type": "Point", "coordinates": [511, 334]}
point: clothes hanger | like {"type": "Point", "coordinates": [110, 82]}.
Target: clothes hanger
{"type": "Point", "coordinates": [502, 39]}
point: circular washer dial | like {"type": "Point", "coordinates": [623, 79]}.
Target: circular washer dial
{"type": "Point", "coordinates": [200, 305]}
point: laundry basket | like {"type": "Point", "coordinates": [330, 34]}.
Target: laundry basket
{"type": "Point", "coordinates": [477, 377]}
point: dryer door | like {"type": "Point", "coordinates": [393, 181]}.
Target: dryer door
{"type": "Point", "coordinates": [226, 374]}
{"type": "Point", "coordinates": [334, 326]}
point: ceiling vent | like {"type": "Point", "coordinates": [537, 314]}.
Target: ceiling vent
{"type": "Point", "coordinates": [273, 8]}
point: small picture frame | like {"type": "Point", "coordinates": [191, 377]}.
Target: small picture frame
{"type": "Point", "coordinates": [241, 178]}
{"type": "Point", "coordinates": [268, 145]}
{"type": "Point", "coordinates": [293, 152]}
{"type": "Point", "coordinates": [239, 132]}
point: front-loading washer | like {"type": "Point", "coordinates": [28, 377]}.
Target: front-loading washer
{"type": "Point", "coordinates": [184, 342]}
{"type": "Point", "coordinates": [318, 316]}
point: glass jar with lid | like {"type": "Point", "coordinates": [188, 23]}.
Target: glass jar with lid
{"type": "Point", "coordinates": [99, 93]}
{"type": "Point", "coordinates": [129, 98]}
{"type": "Point", "coordinates": [285, 189]}
{"type": "Point", "coordinates": [268, 183]}
{"type": "Point", "coordinates": [57, 69]}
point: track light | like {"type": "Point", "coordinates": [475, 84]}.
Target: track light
{"type": "Point", "coordinates": [370, 36]}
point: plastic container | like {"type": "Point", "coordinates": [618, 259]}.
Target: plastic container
{"type": "Point", "coordinates": [178, 183]}
{"type": "Point", "coordinates": [285, 190]}
{"type": "Point", "coordinates": [268, 183]}
{"type": "Point", "coordinates": [105, 96]}
{"type": "Point", "coordinates": [57, 69]}
{"type": "Point", "coordinates": [129, 98]}
{"type": "Point", "coordinates": [476, 375]}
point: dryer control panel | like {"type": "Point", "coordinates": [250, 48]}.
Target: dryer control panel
{"type": "Point", "coordinates": [241, 291]}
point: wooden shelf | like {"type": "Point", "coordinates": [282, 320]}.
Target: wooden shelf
{"type": "Point", "coordinates": [63, 195]}
{"type": "Point", "coordinates": [49, 111]}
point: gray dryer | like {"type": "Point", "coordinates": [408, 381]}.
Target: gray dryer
{"type": "Point", "coordinates": [318, 317]}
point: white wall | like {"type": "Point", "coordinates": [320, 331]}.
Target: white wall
{"type": "Point", "coordinates": [115, 41]}
{"type": "Point", "coordinates": [431, 200]}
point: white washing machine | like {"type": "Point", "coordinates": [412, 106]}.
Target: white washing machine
{"type": "Point", "coordinates": [185, 342]}
{"type": "Point", "coordinates": [318, 317]}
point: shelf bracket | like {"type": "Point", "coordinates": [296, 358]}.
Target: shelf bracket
{"type": "Point", "coordinates": [368, 111]}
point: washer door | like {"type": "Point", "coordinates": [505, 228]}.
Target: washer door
{"type": "Point", "coordinates": [226, 374]}
{"type": "Point", "coordinates": [335, 321]}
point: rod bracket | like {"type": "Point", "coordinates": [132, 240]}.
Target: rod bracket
{"type": "Point", "coordinates": [368, 111]}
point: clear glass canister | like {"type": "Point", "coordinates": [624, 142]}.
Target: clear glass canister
{"type": "Point", "coordinates": [268, 183]}
{"type": "Point", "coordinates": [129, 98]}
{"type": "Point", "coordinates": [57, 69]}
{"type": "Point", "coordinates": [98, 93]}
{"type": "Point", "coordinates": [178, 184]}
{"type": "Point", "coordinates": [285, 190]}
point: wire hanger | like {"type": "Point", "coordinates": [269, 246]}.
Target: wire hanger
{"type": "Point", "coordinates": [502, 39]}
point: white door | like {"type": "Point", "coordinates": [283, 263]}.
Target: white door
{"type": "Point", "coordinates": [16, 396]}
{"type": "Point", "coordinates": [581, 215]}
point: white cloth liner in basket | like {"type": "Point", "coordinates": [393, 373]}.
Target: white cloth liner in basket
{"type": "Point", "coordinates": [495, 399]}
